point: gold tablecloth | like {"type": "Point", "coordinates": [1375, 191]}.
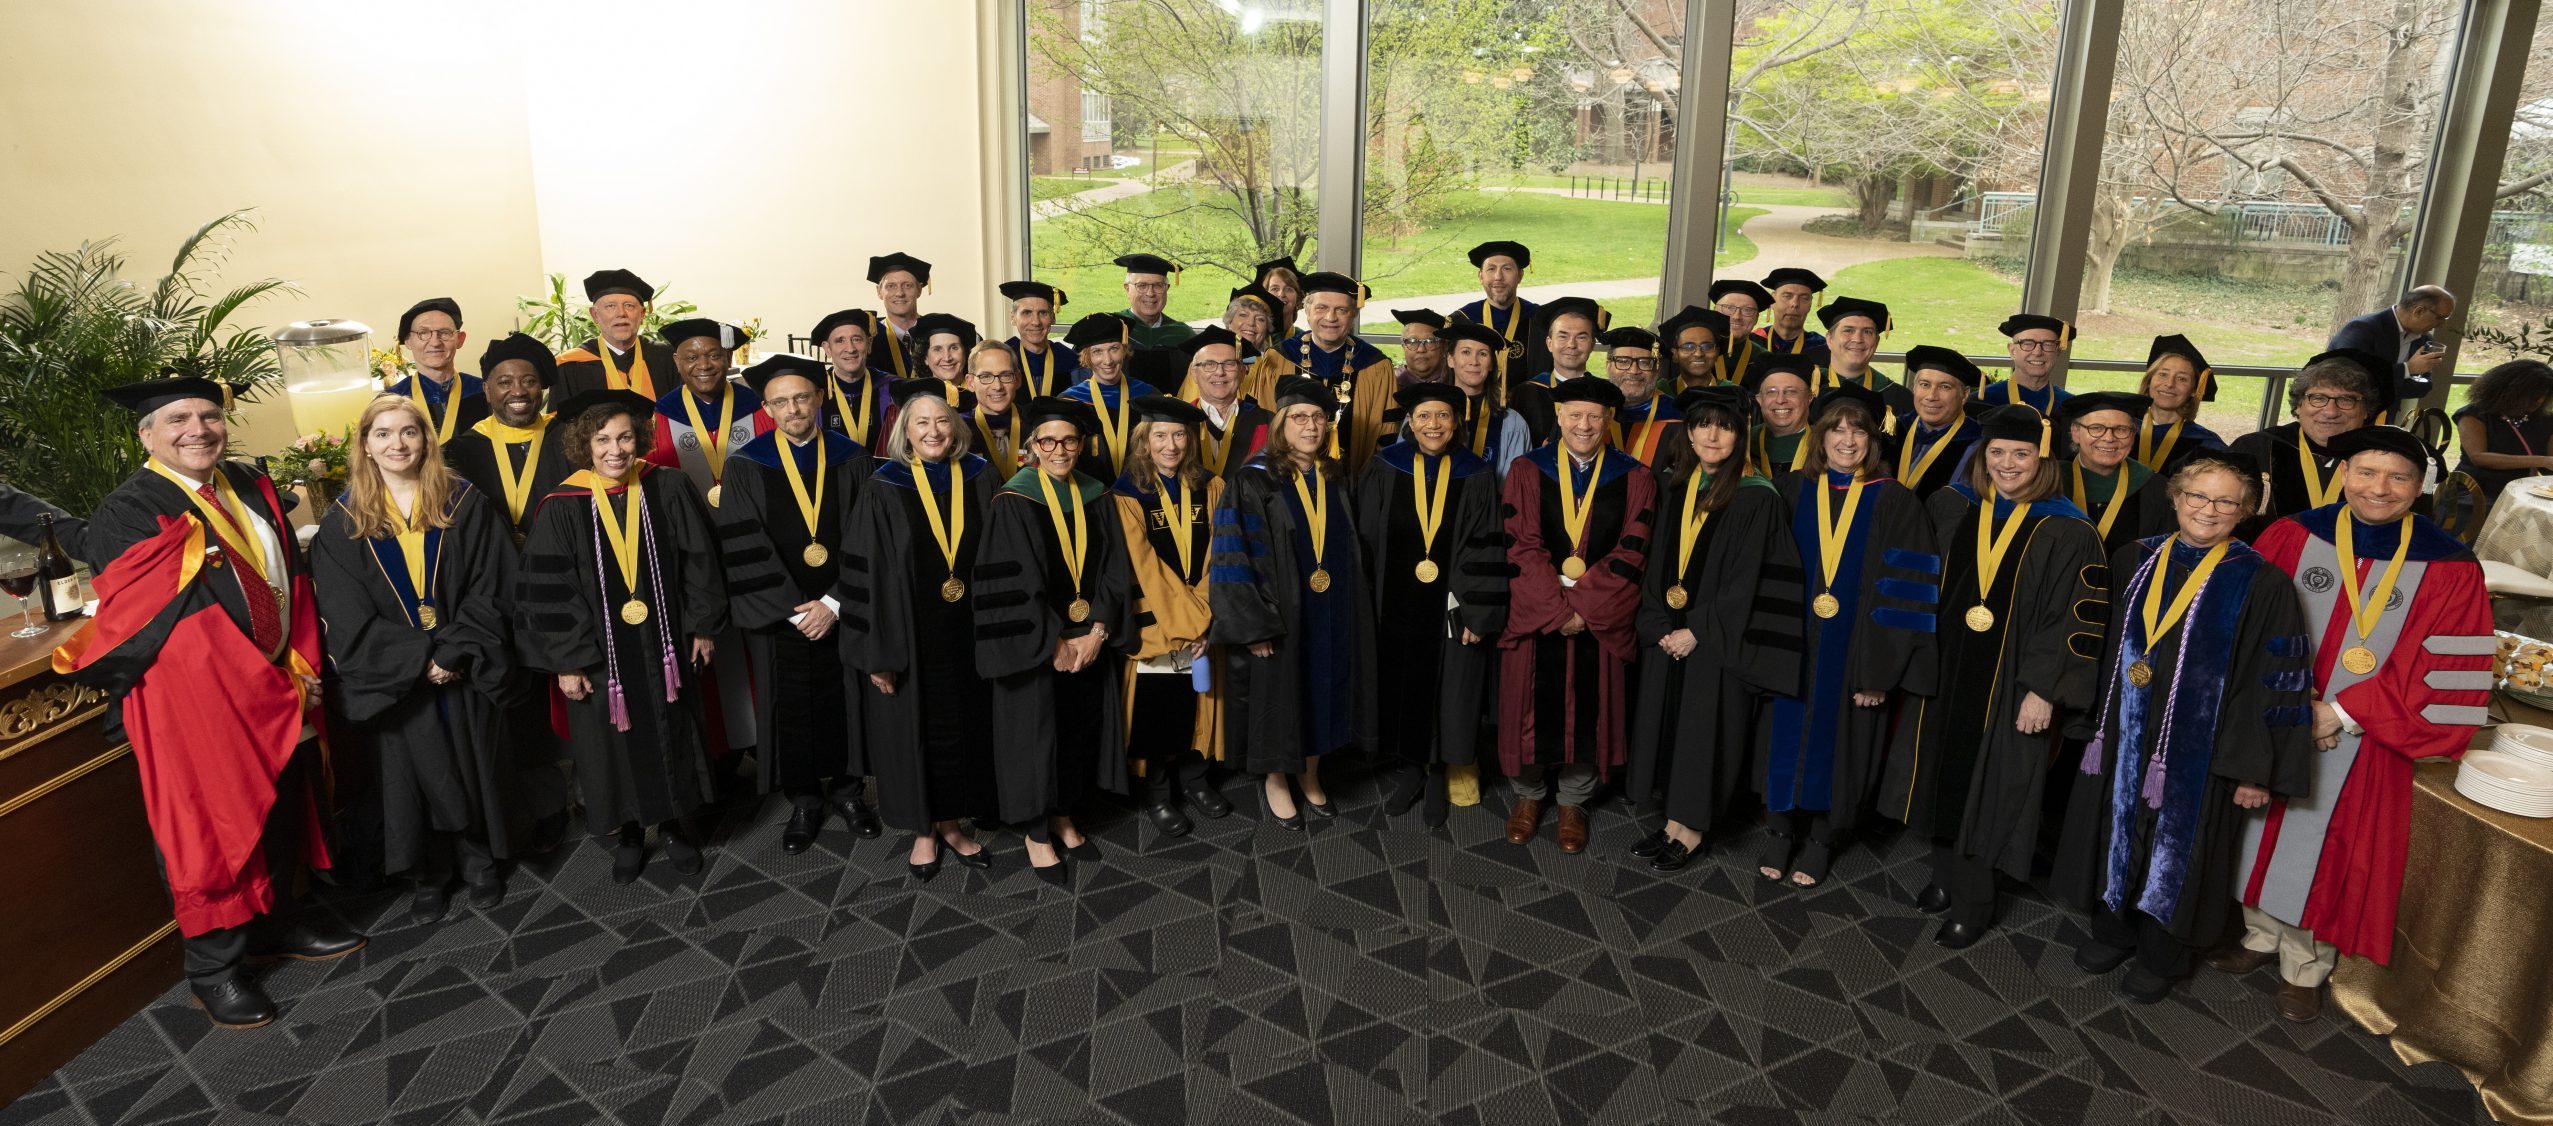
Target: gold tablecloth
{"type": "Point", "coordinates": [2472, 977]}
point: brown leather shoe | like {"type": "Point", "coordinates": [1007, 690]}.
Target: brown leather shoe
{"type": "Point", "coordinates": [1522, 818]}
{"type": "Point", "coordinates": [1573, 829]}
{"type": "Point", "coordinates": [2300, 1003]}
{"type": "Point", "coordinates": [2239, 960]}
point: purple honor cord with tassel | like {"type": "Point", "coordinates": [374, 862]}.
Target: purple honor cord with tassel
{"type": "Point", "coordinates": [656, 579]}
{"type": "Point", "coordinates": [611, 647]}
{"type": "Point", "coordinates": [613, 694]}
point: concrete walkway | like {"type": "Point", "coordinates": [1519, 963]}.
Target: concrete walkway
{"type": "Point", "coordinates": [1105, 190]}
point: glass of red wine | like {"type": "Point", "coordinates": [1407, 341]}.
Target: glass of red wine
{"type": "Point", "coordinates": [17, 576]}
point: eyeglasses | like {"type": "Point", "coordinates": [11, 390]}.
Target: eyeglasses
{"type": "Point", "coordinates": [1212, 366]}
{"type": "Point", "coordinates": [1738, 309]}
{"type": "Point", "coordinates": [1149, 287]}
{"type": "Point", "coordinates": [2228, 505]}
{"type": "Point", "coordinates": [1697, 346]}
{"type": "Point", "coordinates": [1641, 363]}
{"type": "Point", "coordinates": [1050, 445]}
{"type": "Point", "coordinates": [997, 377]}
{"type": "Point", "coordinates": [2106, 431]}
{"type": "Point", "coordinates": [1421, 342]}
{"type": "Point", "coordinates": [2322, 401]}
{"type": "Point", "coordinates": [437, 335]}
{"type": "Point", "coordinates": [2034, 345]}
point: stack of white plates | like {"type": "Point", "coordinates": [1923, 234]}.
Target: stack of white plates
{"type": "Point", "coordinates": [2507, 783]}
{"type": "Point", "coordinates": [2534, 744]}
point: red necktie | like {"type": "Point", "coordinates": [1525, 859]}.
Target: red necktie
{"type": "Point", "coordinates": [265, 628]}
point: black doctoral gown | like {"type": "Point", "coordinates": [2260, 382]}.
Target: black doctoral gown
{"type": "Point", "coordinates": [1823, 752]}
{"type": "Point", "coordinates": [1257, 588]}
{"type": "Point", "coordinates": [571, 594]}
{"type": "Point", "coordinates": [1434, 681]}
{"type": "Point", "coordinates": [441, 760]}
{"type": "Point", "coordinates": [1962, 771]}
{"type": "Point", "coordinates": [1055, 734]}
{"type": "Point", "coordinates": [473, 454]}
{"type": "Point", "coordinates": [2148, 507]}
{"type": "Point", "coordinates": [1693, 731]}
{"type": "Point", "coordinates": [2226, 706]}
{"type": "Point", "coordinates": [930, 742]}
{"type": "Point", "coordinates": [2274, 450]}
{"type": "Point", "coordinates": [801, 690]}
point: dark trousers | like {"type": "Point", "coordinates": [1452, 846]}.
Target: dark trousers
{"type": "Point", "coordinates": [216, 956]}
{"type": "Point", "coordinates": [815, 795]}
{"type": "Point", "coordinates": [1804, 825]}
{"type": "Point", "coordinates": [465, 854]}
{"type": "Point", "coordinates": [2158, 951]}
{"type": "Point", "coordinates": [1165, 777]}
{"type": "Point", "coordinates": [1970, 881]}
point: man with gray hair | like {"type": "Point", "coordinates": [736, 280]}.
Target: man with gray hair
{"type": "Point", "coordinates": [2404, 335]}
{"type": "Point", "coordinates": [207, 639]}
{"type": "Point", "coordinates": [2335, 393]}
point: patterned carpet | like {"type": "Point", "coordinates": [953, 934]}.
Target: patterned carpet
{"type": "Point", "coordinates": [1362, 972]}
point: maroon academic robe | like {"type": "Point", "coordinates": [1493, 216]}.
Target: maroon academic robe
{"type": "Point", "coordinates": [1564, 699]}
{"type": "Point", "coordinates": [2331, 860]}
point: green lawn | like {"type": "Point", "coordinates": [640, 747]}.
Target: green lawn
{"type": "Point", "coordinates": [1051, 187]}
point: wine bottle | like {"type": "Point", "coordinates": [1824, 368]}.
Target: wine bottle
{"type": "Point", "coordinates": [59, 576]}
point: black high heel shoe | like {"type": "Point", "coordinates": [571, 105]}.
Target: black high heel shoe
{"type": "Point", "coordinates": [1776, 855]}
{"type": "Point", "coordinates": [1293, 824]}
{"type": "Point", "coordinates": [1087, 850]}
{"type": "Point", "coordinates": [922, 873]}
{"type": "Point", "coordinates": [980, 859]}
{"type": "Point", "coordinates": [1058, 874]}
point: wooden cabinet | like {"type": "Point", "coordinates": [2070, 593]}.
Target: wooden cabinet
{"type": "Point", "coordinates": [83, 915]}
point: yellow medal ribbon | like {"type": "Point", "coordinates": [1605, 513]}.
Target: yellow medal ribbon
{"type": "Point", "coordinates": [1112, 431]}
{"type": "Point", "coordinates": [1316, 513]}
{"type": "Point", "coordinates": [2118, 499]}
{"type": "Point", "coordinates": [713, 447]}
{"type": "Point", "coordinates": [854, 424]}
{"type": "Point", "coordinates": [1046, 384]}
{"type": "Point", "coordinates": [1911, 470]}
{"type": "Point", "coordinates": [1005, 457]}
{"type": "Point", "coordinates": [1431, 513]}
{"type": "Point", "coordinates": [1831, 533]}
{"type": "Point", "coordinates": [951, 533]}
{"type": "Point", "coordinates": [412, 555]}
{"type": "Point", "coordinates": [807, 501]}
{"type": "Point", "coordinates": [1480, 423]}
{"type": "Point", "coordinates": [1764, 453]}
{"type": "Point", "coordinates": [1216, 448]}
{"type": "Point", "coordinates": [1745, 356]}
{"type": "Point", "coordinates": [1694, 518]}
{"type": "Point", "coordinates": [451, 409]}
{"type": "Point", "coordinates": [1574, 511]}
{"type": "Point", "coordinates": [517, 483]}
{"type": "Point", "coordinates": [1183, 525]}
{"type": "Point", "coordinates": [2149, 451]}
{"type": "Point", "coordinates": [1991, 546]}
{"type": "Point", "coordinates": [224, 523]}
{"type": "Point", "coordinates": [623, 533]}
{"type": "Point", "coordinates": [894, 348]}
{"type": "Point", "coordinates": [2317, 491]}
{"type": "Point", "coordinates": [2363, 611]}
{"type": "Point", "coordinates": [1072, 536]}
{"type": "Point", "coordinates": [2158, 620]}
{"type": "Point", "coordinates": [638, 379]}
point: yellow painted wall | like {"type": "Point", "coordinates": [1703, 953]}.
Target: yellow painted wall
{"type": "Point", "coordinates": [758, 152]}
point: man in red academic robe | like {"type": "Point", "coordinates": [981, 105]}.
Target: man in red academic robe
{"type": "Point", "coordinates": [1578, 533]}
{"type": "Point", "coordinates": [2401, 630]}
{"type": "Point", "coordinates": [208, 635]}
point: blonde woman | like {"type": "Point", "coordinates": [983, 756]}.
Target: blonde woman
{"type": "Point", "coordinates": [412, 566]}
{"type": "Point", "coordinates": [2177, 379]}
{"type": "Point", "coordinates": [1165, 513]}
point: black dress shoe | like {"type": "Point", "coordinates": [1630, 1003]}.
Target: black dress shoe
{"type": "Point", "coordinates": [1956, 935]}
{"type": "Point", "coordinates": [1053, 875]}
{"type": "Point", "coordinates": [548, 833]}
{"type": "Point", "coordinates": [862, 819]}
{"type": "Point", "coordinates": [1934, 900]}
{"type": "Point", "coordinates": [487, 893]}
{"type": "Point", "coordinates": [681, 853]}
{"type": "Point", "coordinates": [805, 821]}
{"type": "Point", "coordinates": [428, 905]}
{"type": "Point", "coordinates": [1439, 803]}
{"type": "Point", "coordinates": [236, 1003]}
{"type": "Point", "coordinates": [1409, 786]}
{"type": "Point", "coordinates": [2095, 957]}
{"type": "Point", "coordinates": [1208, 800]}
{"type": "Point", "coordinates": [979, 859]}
{"type": "Point", "coordinates": [1087, 851]}
{"type": "Point", "coordinates": [922, 873]}
{"type": "Point", "coordinates": [1167, 818]}
{"type": "Point", "coordinates": [1650, 845]}
{"type": "Point", "coordinates": [629, 857]}
{"type": "Point", "coordinates": [1322, 808]}
{"type": "Point", "coordinates": [1291, 824]}
{"type": "Point", "coordinates": [304, 942]}
{"type": "Point", "coordinates": [2143, 986]}
{"type": "Point", "coordinates": [1671, 856]}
